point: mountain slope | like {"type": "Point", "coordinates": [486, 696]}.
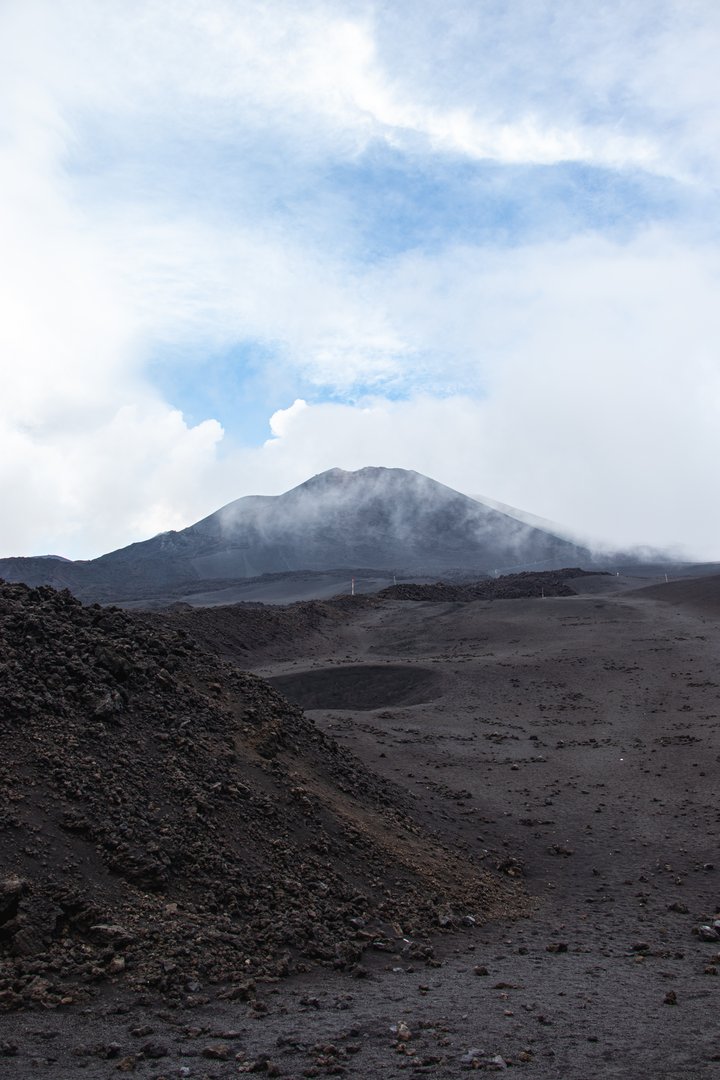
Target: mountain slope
{"type": "Point", "coordinates": [390, 518]}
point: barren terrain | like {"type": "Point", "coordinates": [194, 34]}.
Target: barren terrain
{"type": "Point", "coordinates": [569, 744]}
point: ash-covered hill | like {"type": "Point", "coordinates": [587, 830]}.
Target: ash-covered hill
{"type": "Point", "coordinates": [390, 519]}
{"type": "Point", "coordinates": [247, 631]}
{"type": "Point", "coordinates": [170, 821]}
{"type": "Point", "coordinates": [701, 594]}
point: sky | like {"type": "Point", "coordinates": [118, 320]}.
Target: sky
{"type": "Point", "coordinates": [243, 242]}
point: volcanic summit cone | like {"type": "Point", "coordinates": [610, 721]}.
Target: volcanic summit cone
{"type": "Point", "coordinates": [390, 519]}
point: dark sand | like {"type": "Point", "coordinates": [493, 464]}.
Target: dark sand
{"type": "Point", "coordinates": [575, 738]}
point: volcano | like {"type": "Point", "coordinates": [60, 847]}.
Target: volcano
{"type": "Point", "coordinates": [393, 520]}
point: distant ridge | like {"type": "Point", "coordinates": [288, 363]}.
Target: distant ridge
{"type": "Point", "coordinates": [395, 519]}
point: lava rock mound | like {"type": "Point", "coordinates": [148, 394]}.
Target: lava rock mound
{"type": "Point", "coordinates": [525, 585]}
{"type": "Point", "coordinates": [174, 823]}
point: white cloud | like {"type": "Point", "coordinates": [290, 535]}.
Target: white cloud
{"type": "Point", "coordinates": [281, 421]}
{"type": "Point", "coordinates": [89, 456]}
{"type": "Point", "coordinates": [602, 388]}
{"type": "Point", "coordinates": [610, 83]}
{"type": "Point", "coordinates": [141, 471]}
{"type": "Point", "coordinates": [344, 74]}
{"type": "Point", "coordinates": [554, 456]}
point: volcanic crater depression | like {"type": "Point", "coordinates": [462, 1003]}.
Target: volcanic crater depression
{"type": "Point", "coordinates": [362, 687]}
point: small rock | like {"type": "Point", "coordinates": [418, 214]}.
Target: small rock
{"type": "Point", "coordinates": [218, 1051]}
{"type": "Point", "coordinates": [155, 1048]}
{"type": "Point", "coordinates": [670, 998]}
{"type": "Point", "coordinates": [241, 991]}
{"type": "Point", "coordinates": [118, 935]}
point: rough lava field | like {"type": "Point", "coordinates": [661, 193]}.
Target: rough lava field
{"type": "Point", "coordinates": [489, 844]}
